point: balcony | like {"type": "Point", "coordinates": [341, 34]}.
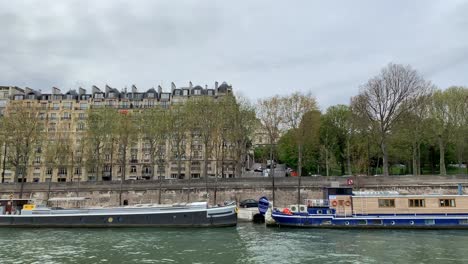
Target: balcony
{"type": "Point", "coordinates": [133, 161]}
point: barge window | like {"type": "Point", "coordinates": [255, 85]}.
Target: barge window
{"type": "Point", "coordinates": [386, 202]}
{"type": "Point", "coordinates": [362, 222]}
{"type": "Point", "coordinates": [416, 203]}
{"type": "Point", "coordinates": [429, 222]}
{"type": "Point", "coordinates": [447, 202]}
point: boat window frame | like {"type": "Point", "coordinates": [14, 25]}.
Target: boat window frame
{"type": "Point", "coordinates": [384, 204]}
{"type": "Point", "coordinates": [420, 204]}
{"type": "Point", "coordinates": [450, 200]}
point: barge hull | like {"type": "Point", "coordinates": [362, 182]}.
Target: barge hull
{"type": "Point", "coordinates": [423, 222]}
{"type": "Point", "coordinates": [167, 219]}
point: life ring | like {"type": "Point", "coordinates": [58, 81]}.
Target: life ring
{"type": "Point", "coordinates": [287, 211]}
{"type": "Point", "coordinates": [347, 203]}
{"type": "Point", "coordinates": [334, 203]}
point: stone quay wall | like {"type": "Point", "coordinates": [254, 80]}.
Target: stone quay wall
{"type": "Point", "coordinates": [238, 189]}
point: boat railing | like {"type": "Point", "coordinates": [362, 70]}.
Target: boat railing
{"type": "Point", "coordinates": [317, 202]}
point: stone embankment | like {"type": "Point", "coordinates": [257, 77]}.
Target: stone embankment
{"type": "Point", "coordinates": [176, 191]}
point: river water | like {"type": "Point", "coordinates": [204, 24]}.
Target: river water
{"type": "Point", "coordinates": [246, 243]}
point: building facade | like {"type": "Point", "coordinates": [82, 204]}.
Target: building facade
{"type": "Point", "coordinates": [65, 114]}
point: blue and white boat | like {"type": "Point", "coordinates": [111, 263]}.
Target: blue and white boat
{"type": "Point", "coordinates": [341, 208]}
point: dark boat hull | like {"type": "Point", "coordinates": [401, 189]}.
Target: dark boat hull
{"type": "Point", "coordinates": [374, 222]}
{"type": "Point", "coordinates": [201, 218]}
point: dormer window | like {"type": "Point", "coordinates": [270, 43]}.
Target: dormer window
{"type": "Point", "coordinates": [197, 92]}
{"type": "Point", "coordinates": [18, 97]}
{"type": "Point", "coordinates": [31, 96]}
{"type": "Point", "coordinates": [57, 97]}
{"type": "Point", "coordinates": [99, 96]}
{"type": "Point", "coordinates": [111, 95]}
{"type": "Point", "coordinates": [151, 95]}
{"type": "Point", "coordinates": [186, 92]}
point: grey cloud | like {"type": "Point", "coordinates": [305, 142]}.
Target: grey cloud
{"type": "Point", "coordinates": [261, 47]}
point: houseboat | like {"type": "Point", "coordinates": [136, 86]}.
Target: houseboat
{"type": "Point", "coordinates": [341, 208]}
{"type": "Point", "coordinates": [23, 213]}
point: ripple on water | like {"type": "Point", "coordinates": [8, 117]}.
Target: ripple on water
{"type": "Point", "coordinates": [247, 243]}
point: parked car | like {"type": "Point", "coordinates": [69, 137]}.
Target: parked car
{"type": "Point", "coordinates": [248, 203]}
{"type": "Point", "coordinates": [259, 169]}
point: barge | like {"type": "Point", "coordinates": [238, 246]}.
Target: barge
{"type": "Point", "coordinates": [341, 208]}
{"type": "Point", "coordinates": [22, 213]}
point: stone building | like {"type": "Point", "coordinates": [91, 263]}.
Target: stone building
{"type": "Point", "coordinates": [65, 114]}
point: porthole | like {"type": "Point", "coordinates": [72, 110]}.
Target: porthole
{"type": "Point", "coordinates": [346, 223]}
{"type": "Point", "coordinates": [392, 222]}
{"type": "Point", "coordinates": [411, 222]}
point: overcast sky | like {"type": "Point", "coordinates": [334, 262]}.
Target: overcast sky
{"type": "Point", "coordinates": [262, 48]}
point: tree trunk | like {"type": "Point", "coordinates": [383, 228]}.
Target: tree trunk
{"type": "Point", "coordinates": [418, 158]}
{"type": "Point", "coordinates": [415, 160]}
{"type": "Point", "coordinates": [383, 146]}
{"type": "Point", "coordinates": [348, 159]}
{"type": "Point", "coordinates": [160, 191]}
{"type": "Point", "coordinates": [189, 176]}
{"type": "Point", "coordinates": [122, 178]}
{"type": "Point", "coordinates": [460, 149]}
{"type": "Point", "coordinates": [22, 183]}
{"type": "Point", "coordinates": [299, 173]}
{"type": "Point", "coordinates": [326, 162]}
{"type": "Point", "coordinates": [443, 171]}
{"type": "Point", "coordinates": [25, 171]}
{"type": "Point", "coordinates": [4, 163]}
{"type": "Point", "coordinates": [272, 172]}
{"type": "Point", "coordinates": [205, 168]}
{"type": "Point", "coordinates": [368, 157]}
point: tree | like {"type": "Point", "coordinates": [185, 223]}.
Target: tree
{"type": "Point", "coordinates": [22, 137]}
{"type": "Point", "coordinates": [203, 110]}
{"type": "Point", "coordinates": [287, 144]}
{"type": "Point", "coordinates": [153, 128]}
{"type": "Point", "coordinates": [293, 108]}
{"type": "Point", "coordinates": [177, 134]}
{"type": "Point", "coordinates": [269, 113]}
{"type": "Point", "coordinates": [56, 154]}
{"type": "Point", "coordinates": [100, 128]}
{"type": "Point", "coordinates": [386, 98]}
{"type": "Point", "coordinates": [126, 135]}
{"type": "Point", "coordinates": [411, 131]}
{"type": "Point", "coordinates": [338, 127]}
{"type": "Point", "coordinates": [237, 124]}
{"type": "Point", "coordinates": [447, 110]}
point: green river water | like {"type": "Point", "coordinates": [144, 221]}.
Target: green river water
{"type": "Point", "coordinates": [246, 243]}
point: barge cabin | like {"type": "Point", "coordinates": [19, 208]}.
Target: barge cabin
{"type": "Point", "coordinates": [340, 207]}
